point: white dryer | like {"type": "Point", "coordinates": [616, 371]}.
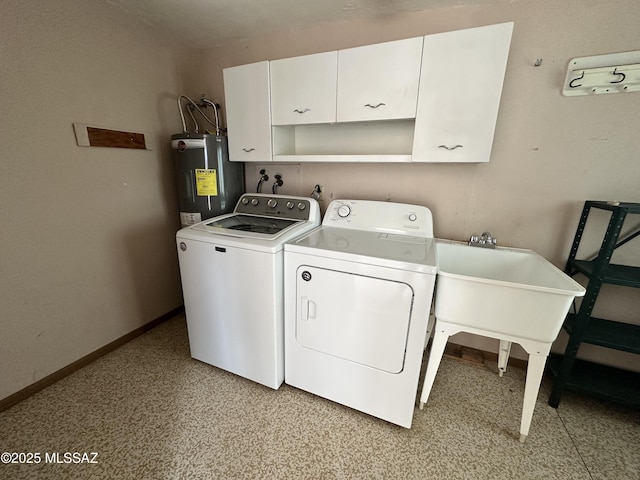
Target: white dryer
{"type": "Point", "coordinates": [357, 299]}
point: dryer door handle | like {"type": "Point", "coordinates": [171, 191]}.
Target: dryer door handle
{"type": "Point", "coordinates": [307, 309]}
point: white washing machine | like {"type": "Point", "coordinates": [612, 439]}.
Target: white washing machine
{"type": "Point", "coordinates": [357, 299]}
{"type": "Point", "coordinates": [231, 268]}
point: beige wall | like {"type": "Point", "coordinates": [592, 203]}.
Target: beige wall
{"type": "Point", "coordinates": [87, 234]}
{"type": "Point", "coordinates": [550, 152]}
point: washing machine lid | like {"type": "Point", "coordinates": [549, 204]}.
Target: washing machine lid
{"type": "Point", "coordinates": [251, 228]}
{"type": "Point", "coordinates": [270, 243]}
{"type": "Point", "coordinates": [248, 225]}
{"type": "Point", "coordinates": [264, 217]}
{"type": "Point", "coordinates": [403, 252]}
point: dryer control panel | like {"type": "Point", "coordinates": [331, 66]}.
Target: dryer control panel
{"type": "Point", "coordinates": [375, 216]}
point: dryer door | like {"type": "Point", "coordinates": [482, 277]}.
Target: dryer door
{"type": "Point", "coordinates": [357, 318]}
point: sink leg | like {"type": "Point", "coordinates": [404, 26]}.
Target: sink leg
{"type": "Point", "coordinates": [503, 356]}
{"type": "Point", "coordinates": [535, 369]}
{"type": "Point", "coordinates": [430, 324]}
{"type": "Point", "coordinates": [435, 356]}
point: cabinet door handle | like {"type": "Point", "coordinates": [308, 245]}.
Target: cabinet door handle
{"type": "Point", "coordinates": [248, 150]}
{"type": "Point", "coordinates": [450, 148]}
{"type": "Point", "coordinates": [374, 106]}
{"type": "Point", "coordinates": [302, 111]}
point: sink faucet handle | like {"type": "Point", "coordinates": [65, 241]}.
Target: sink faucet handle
{"type": "Point", "coordinates": [486, 237]}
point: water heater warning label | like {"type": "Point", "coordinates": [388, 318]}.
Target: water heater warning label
{"type": "Point", "coordinates": [206, 182]}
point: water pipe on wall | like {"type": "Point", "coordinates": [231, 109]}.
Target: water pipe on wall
{"type": "Point", "coordinates": [276, 184]}
{"type": "Point", "coordinates": [263, 178]}
{"type": "Point", "coordinates": [193, 106]}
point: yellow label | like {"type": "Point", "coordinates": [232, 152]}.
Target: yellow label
{"type": "Point", "coordinates": [206, 182]}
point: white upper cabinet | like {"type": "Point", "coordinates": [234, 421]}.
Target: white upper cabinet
{"type": "Point", "coordinates": [423, 99]}
{"type": "Point", "coordinates": [460, 88]}
{"type": "Point", "coordinates": [379, 82]}
{"type": "Point", "coordinates": [246, 93]}
{"type": "Point", "coordinates": [303, 89]}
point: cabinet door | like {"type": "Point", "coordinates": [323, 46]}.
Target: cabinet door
{"type": "Point", "coordinates": [246, 93]}
{"type": "Point", "coordinates": [379, 82]}
{"type": "Point", "coordinates": [460, 88]}
{"type": "Point", "coordinates": [303, 89]}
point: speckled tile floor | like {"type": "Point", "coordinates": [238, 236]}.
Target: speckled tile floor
{"type": "Point", "coordinates": [151, 412]}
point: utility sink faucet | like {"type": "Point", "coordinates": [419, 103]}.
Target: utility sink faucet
{"type": "Point", "coordinates": [485, 240]}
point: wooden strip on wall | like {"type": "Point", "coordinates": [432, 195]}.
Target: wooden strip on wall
{"type": "Point", "coordinates": [102, 137]}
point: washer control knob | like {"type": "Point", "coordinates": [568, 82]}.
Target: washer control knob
{"type": "Point", "coordinates": [290, 204]}
{"type": "Point", "coordinates": [413, 217]}
{"type": "Point", "coordinates": [344, 211]}
{"type": "Point", "coordinates": [272, 202]}
{"type": "Point", "coordinates": [301, 206]}
{"type": "Point", "coordinates": [255, 202]}
{"type": "Point", "coordinates": [245, 201]}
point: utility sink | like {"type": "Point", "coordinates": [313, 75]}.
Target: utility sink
{"type": "Point", "coordinates": [511, 294]}
{"type": "Point", "coordinates": [503, 290]}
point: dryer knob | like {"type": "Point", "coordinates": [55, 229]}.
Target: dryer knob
{"type": "Point", "coordinates": [344, 211]}
{"type": "Point", "coordinates": [245, 201]}
{"type": "Point", "coordinates": [413, 217]}
{"type": "Point", "coordinates": [255, 201]}
{"type": "Point", "coordinates": [290, 205]}
{"type": "Point", "coordinates": [301, 206]}
{"type": "Point", "coordinates": [272, 202]}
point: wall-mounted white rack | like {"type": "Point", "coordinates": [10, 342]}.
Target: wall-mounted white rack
{"type": "Point", "coordinates": [611, 73]}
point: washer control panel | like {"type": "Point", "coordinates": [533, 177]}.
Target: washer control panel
{"type": "Point", "coordinates": [397, 218]}
{"type": "Point", "coordinates": [281, 206]}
